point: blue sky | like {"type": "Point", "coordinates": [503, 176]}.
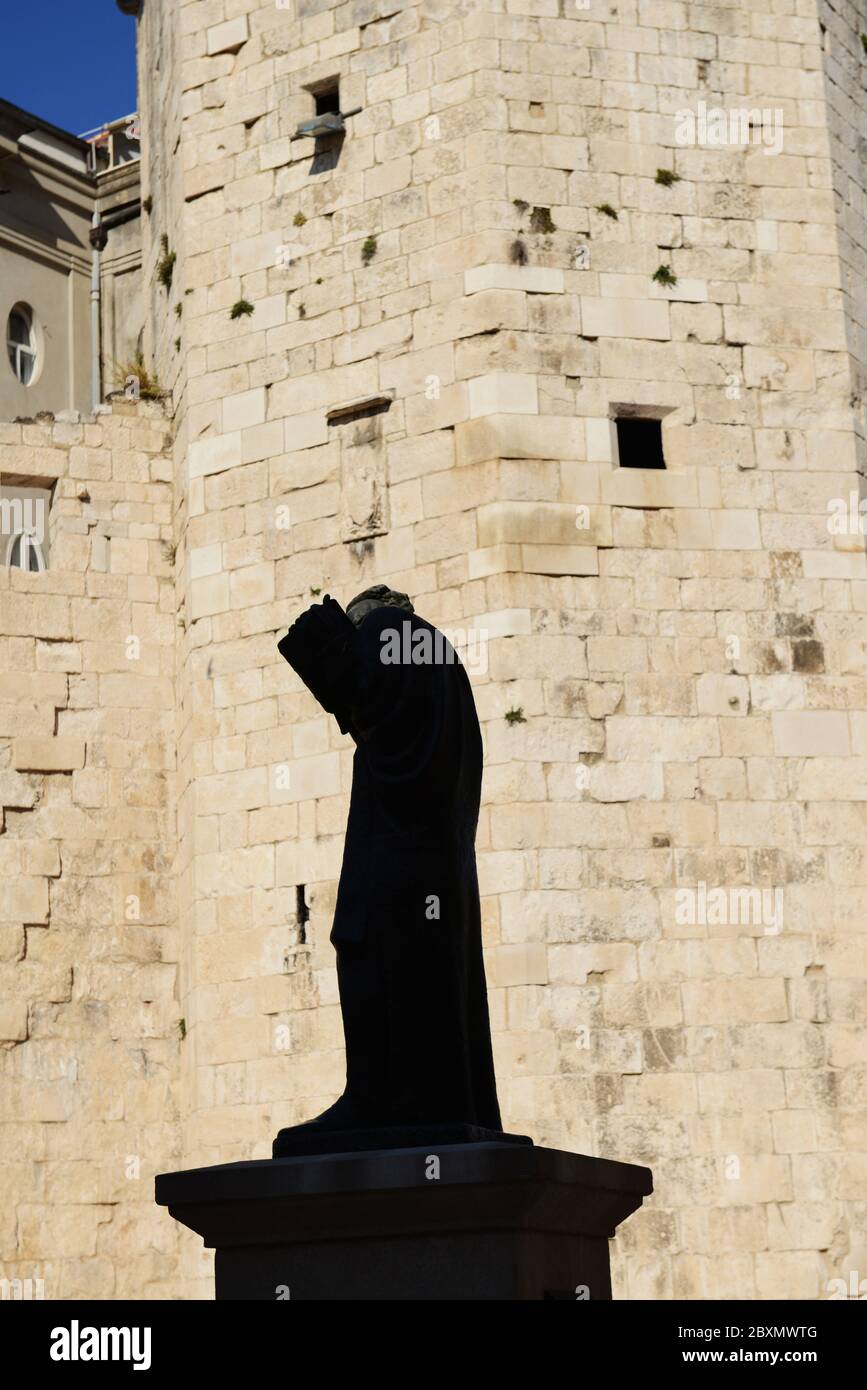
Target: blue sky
{"type": "Point", "coordinates": [70, 61]}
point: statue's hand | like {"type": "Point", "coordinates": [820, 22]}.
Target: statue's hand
{"type": "Point", "coordinates": [319, 646]}
{"type": "Point", "coordinates": [322, 622]}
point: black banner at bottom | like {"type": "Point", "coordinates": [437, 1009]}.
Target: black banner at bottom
{"type": "Point", "coordinates": [190, 1338]}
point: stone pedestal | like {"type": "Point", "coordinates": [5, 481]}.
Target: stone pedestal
{"type": "Point", "coordinates": [465, 1221]}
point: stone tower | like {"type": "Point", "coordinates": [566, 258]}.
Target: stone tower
{"type": "Point", "coordinates": [564, 336]}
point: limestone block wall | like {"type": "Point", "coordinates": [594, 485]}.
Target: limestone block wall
{"type": "Point", "coordinates": [90, 1021]}
{"type": "Point", "coordinates": [403, 360]}
{"type": "Point", "coordinates": [843, 53]}
{"type": "Point", "coordinates": [160, 43]}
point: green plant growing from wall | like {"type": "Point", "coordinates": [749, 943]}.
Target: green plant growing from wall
{"type": "Point", "coordinates": [607, 211]}
{"type": "Point", "coordinates": [148, 386]}
{"type": "Point", "coordinates": [299, 219]}
{"type": "Point", "coordinates": [179, 309]}
{"type": "Point", "coordinates": [664, 275]}
{"type": "Point", "coordinates": [240, 308]}
{"type": "Point", "coordinates": [147, 204]}
{"type": "Point", "coordinates": [368, 250]}
{"type": "Point", "coordinates": [666, 177]}
{"type": "Point", "coordinates": [515, 716]}
{"type": "Point", "coordinates": [166, 264]}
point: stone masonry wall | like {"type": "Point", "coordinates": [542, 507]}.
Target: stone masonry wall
{"type": "Point", "coordinates": [843, 40]}
{"type": "Point", "coordinates": [446, 316]}
{"type": "Point", "coordinates": [89, 1015]}
{"type": "Point", "coordinates": [434, 328]}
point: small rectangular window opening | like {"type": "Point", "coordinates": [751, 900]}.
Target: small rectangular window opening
{"type": "Point", "coordinates": [302, 913]}
{"type": "Point", "coordinates": [327, 97]}
{"type": "Point", "coordinates": [24, 523]}
{"type": "Point", "coordinates": [639, 442]}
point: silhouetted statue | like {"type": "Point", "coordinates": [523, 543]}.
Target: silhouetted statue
{"type": "Point", "coordinates": [406, 925]}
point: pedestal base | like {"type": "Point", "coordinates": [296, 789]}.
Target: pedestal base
{"type": "Point", "coordinates": [291, 1143]}
{"type": "Point", "coordinates": [466, 1221]}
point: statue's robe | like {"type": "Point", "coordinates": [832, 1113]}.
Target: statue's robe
{"type": "Point", "coordinates": [407, 923]}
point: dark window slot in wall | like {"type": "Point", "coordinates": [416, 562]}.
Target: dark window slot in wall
{"type": "Point", "coordinates": [327, 97]}
{"type": "Point", "coordinates": [302, 913]}
{"type": "Point", "coordinates": [639, 443]}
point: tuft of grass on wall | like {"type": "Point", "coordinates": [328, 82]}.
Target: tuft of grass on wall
{"type": "Point", "coordinates": [148, 387]}
{"type": "Point", "coordinates": [664, 275]}
{"type": "Point", "coordinates": [166, 264]}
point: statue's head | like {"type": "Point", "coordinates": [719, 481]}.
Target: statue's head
{"type": "Point", "coordinates": [379, 596]}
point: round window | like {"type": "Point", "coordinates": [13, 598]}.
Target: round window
{"type": "Point", "coordinates": [21, 343]}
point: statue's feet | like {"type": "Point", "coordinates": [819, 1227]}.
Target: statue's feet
{"type": "Point", "coordinates": [345, 1113]}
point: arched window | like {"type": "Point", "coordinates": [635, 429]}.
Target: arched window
{"type": "Point", "coordinates": [21, 343]}
{"type": "Point", "coordinates": [24, 552]}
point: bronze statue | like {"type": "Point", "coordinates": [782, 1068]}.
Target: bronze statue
{"type": "Point", "coordinates": [407, 924]}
